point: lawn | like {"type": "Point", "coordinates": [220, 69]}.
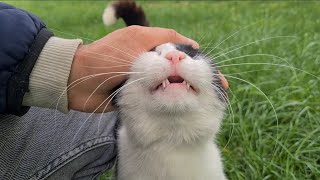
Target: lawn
{"type": "Point", "coordinates": [272, 63]}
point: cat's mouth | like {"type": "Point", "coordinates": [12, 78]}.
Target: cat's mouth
{"type": "Point", "coordinates": [174, 82]}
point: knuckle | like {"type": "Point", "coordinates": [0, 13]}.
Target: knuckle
{"type": "Point", "coordinates": [172, 33]}
{"type": "Point", "coordinates": [134, 28]}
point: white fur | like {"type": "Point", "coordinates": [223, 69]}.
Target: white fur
{"type": "Point", "coordinates": [109, 16]}
{"type": "Point", "coordinates": [169, 136]}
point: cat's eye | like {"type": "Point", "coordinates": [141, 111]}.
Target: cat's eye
{"type": "Point", "coordinates": [155, 51]}
{"type": "Point", "coordinates": [158, 53]}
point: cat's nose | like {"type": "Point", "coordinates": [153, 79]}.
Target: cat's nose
{"type": "Point", "coordinates": [175, 56]}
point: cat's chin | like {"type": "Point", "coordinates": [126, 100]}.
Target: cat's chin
{"type": "Point", "coordinates": [174, 102]}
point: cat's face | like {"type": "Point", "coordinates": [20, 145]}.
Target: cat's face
{"type": "Point", "coordinates": [173, 79]}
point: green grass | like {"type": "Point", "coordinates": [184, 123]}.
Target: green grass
{"type": "Point", "coordinates": [260, 146]}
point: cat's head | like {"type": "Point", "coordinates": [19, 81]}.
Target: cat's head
{"type": "Point", "coordinates": [173, 83]}
{"type": "Point", "coordinates": [174, 79]}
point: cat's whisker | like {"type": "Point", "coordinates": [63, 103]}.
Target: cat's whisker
{"type": "Point", "coordinates": [233, 121]}
{"type": "Point", "coordinates": [208, 46]}
{"type": "Point", "coordinates": [271, 64]}
{"type": "Point", "coordinates": [81, 80]}
{"type": "Point", "coordinates": [111, 95]}
{"type": "Point", "coordinates": [202, 38]}
{"type": "Point", "coordinates": [253, 55]}
{"type": "Point", "coordinates": [203, 50]}
{"type": "Point", "coordinates": [214, 85]}
{"type": "Point", "coordinates": [232, 36]}
{"type": "Point", "coordinates": [249, 71]}
{"type": "Point", "coordinates": [99, 87]}
{"type": "Point", "coordinates": [114, 94]}
{"type": "Point", "coordinates": [92, 41]}
{"type": "Point", "coordinates": [274, 110]}
{"type": "Point", "coordinates": [128, 54]}
{"type": "Point", "coordinates": [253, 42]}
{"type": "Point", "coordinates": [105, 67]}
{"type": "Point", "coordinates": [123, 62]}
{"type": "Point", "coordinates": [104, 55]}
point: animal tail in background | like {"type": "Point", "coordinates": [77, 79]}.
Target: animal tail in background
{"type": "Point", "coordinates": [129, 11]}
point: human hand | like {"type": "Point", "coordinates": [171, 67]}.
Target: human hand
{"type": "Point", "coordinates": [96, 66]}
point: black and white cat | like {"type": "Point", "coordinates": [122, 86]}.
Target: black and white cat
{"type": "Point", "coordinates": [170, 112]}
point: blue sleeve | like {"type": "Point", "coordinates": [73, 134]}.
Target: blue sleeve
{"type": "Point", "coordinates": [22, 37]}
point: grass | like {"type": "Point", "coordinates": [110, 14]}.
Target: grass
{"type": "Point", "coordinates": [262, 144]}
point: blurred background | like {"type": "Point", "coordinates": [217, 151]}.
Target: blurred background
{"type": "Point", "coordinates": [270, 54]}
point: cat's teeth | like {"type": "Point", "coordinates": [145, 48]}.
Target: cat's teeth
{"type": "Point", "coordinates": [167, 82]}
{"type": "Point", "coordinates": [184, 82]}
{"type": "Point", "coordinates": [164, 84]}
{"type": "Point", "coordinates": [188, 86]}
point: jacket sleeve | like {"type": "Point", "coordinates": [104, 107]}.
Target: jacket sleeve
{"type": "Point", "coordinates": [23, 37]}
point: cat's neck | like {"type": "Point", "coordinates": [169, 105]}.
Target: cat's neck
{"type": "Point", "coordinates": [173, 131]}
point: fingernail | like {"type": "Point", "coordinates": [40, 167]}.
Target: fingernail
{"type": "Point", "coordinates": [194, 44]}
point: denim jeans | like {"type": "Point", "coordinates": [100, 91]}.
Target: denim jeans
{"type": "Point", "coordinates": [46, 144]}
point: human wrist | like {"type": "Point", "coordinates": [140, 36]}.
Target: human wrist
{"type": "Point", "coordinates": [75, 76]}
{"type": "Point", "coordinates": [49, 77]}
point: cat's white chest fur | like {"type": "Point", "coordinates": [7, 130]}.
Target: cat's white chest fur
{"type": "Point", "coordinates": [161, 162]}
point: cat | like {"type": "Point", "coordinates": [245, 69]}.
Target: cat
{"type": "Point", "coordinates": [170, 112]}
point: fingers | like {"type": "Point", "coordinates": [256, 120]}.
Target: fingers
{"type": "Point", "coordinates": [170, 35]}
{"type": "Point", "coordinates": [156, 36]}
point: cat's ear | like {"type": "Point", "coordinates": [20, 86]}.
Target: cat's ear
{"type": "Point", "coordinates": [224, 81]}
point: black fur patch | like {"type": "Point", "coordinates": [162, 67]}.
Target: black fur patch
{"type": "Point", "coordinates": [130, 13]}
{"type": "Point", "coordinates": [188, 49]}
